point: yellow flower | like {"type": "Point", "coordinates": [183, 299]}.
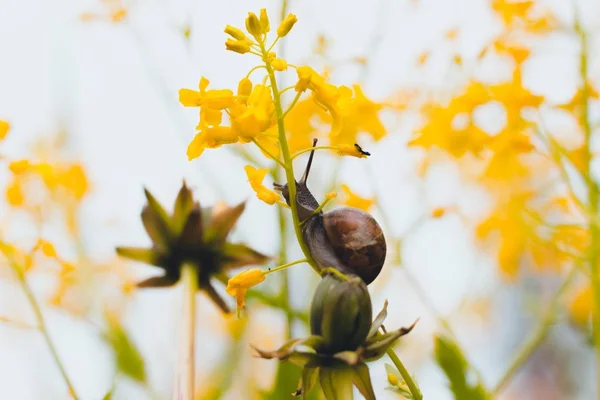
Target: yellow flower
{"type": "Point", "coordinates": [239, 284]}
{"type": "Point", "coordinates": [255, 177]}
{"type": "Point", "coordinates": [305, 77]}
{"type": "Point", "coordinates": [74, 179]}
{"type": "Point", "coordinates": [357, 114]}
{"type": "Point", "coordinates": [286, 25]}
{"type": "Point", "coordinates": [301, 126]}
{"type": "Point", "coordinates": [215, 99]}
{"type": "Point", "coordinates": [392, 379]}
{"type": "Point", "coordinates": [4, 128]}
{"type": "Point", "coordinates": [354, 200]}
{"type": "Point", "coordinates": [351, 150]}
{"type": "Point", "coordinates": [248, 121]}
{"type": "Point", "coordinates": [19, 167]}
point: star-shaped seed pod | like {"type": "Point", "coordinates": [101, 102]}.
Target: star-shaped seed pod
{"type": "Point", "coordinates": [193, 235]}
{"type": "Point", "coordinates": [343, 339]}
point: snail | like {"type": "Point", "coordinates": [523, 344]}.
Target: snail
{"type": "Point", "coordinates": [347, 239]}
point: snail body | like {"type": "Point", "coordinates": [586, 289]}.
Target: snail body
{"type": "Point", "coordinates": [347, 239]}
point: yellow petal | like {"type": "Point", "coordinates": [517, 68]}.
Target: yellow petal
{"type": "Point", "coordinates": [196, 146]}
{"type": "Point", "coordinates": [351, 150]}
{"type": "Point", "coordinates": [218, 99]}
{"type": "Point", "coordinates": [216, 136]}
{"type": "Point", "coordinates": [189, 98]}
{"type": "Point", "coordinates": [245, 280]}
{"type": "Point", "coordinates": [354, 200]}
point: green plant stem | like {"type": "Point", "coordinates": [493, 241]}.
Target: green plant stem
{"type": "Point", "coordinates": [184, 388]}
{"type": "Point", "coordinates": [592, 187]}
{"type": "Point", "coordinates": [537, 337]}
{"type": "Point", "coordinates": [285, 266]}
{"type": "Point", "coordinates": [41, 325]}
{"type": "Point", "coordinates": [412, 386]}
{"type": "Point", "coordinates": [298, 153]}
{"type": "Point", "coordinates": [287, 160]}
{"type": "Point", "coordinates": [292, 104]}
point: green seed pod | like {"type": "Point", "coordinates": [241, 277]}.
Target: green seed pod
{"type": "Point", "coordinates": [341, 313]}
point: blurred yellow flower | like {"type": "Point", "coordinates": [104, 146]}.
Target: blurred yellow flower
{"type": "Point", "coordinates": [581, 306]}
{"type": "Point", "coordinates": [238, 285]}
{"type": "Point", "coordinates": [352, 199]}
{"type": "Point", "coordinates": [14, 194]}
{"type": "Point", "coordinates": [255, 177]}
{"type": "Point", "coordinates": [46, 248]}
{"type": "Point", "coordinates": [4, 128]}
{"type": "Point", "coordinates": [438, 212]}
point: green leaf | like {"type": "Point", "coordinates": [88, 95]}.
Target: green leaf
{"type": "Point", "coordinates": [156, 224]}
{"type": "Point", "coordinates": [192, 231]}
{"type": "Point", "coordinates": [286, 379]}
{"type": "Point", "coordinates": [184, 203]}
{"type": "Point", "coordinates": [456, 368]}
{"type": "Point", "coordinates": [222, 221]}
{"type": "Point", "coordinates": [140, 254]}
{"type": "Point", "coordinates": [128, 359]}
{"type": "Point", "coordinates": [336, 383]}
{"type": "Point", "coordinates": [378, 345]}
{"type": "Point", "coordinates": [309, 379]}
{"type": "Point", "coordinates": [239, 255]}
{"type": "Point", "coordinates": [362, 380]}
{"type": "Point", "coordinates": [378, 321]}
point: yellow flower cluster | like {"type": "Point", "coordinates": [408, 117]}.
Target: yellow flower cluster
{"type": "Point", "coordinates": [255, 113]}
{"type": "Point", "coordinates": [59, 179]}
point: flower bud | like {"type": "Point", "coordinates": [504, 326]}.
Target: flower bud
{"type": "Point", "coordinates": [253, 25]}
{"type": "Point", "coordinates": [286, 25]}
{"type": "Point", "coordinates": [264, 21]}
{"type": "Point", "coordinates": [239, 46]}
{"type": "Point", "coordinates": [341, 313]}
{"type": "Point", "coordinates": [279, 64]}
{"type": "Point", "coordinates": [244, 87]}
{"type": "Point", "coordinates": [236, 33]}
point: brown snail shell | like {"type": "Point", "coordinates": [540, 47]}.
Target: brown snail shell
{"type": "Point", "coordinates": [357, 240]}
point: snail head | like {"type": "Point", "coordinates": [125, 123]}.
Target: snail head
{"type": "Point", "coordinates": [305, 201]}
